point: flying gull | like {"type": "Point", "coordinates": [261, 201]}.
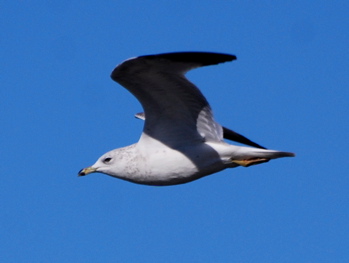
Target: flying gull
{"type": "Point", "coordinates": [181, 141]}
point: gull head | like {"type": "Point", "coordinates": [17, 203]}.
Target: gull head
{"type": "Point", "coordinates": [102, 165]}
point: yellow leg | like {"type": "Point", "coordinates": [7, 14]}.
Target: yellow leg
{"type": "Point", "coordinates": [250, 162]}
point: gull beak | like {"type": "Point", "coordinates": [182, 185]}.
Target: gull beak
{"type": "Point", "coordinates": [87, 171]}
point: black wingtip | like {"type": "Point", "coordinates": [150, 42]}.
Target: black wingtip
{"type": "Point", "coordinates": [236, 137]}
{"type": "Point", "coordinates": [203, 58]}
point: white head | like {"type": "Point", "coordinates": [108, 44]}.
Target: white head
{"type": "Point", "coordinates": [112, 163]}
{"type": "Point", "coordinates": [103, 164]}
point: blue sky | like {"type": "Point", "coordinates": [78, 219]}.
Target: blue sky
{"type": "Point", "coordinates": [59, 111]}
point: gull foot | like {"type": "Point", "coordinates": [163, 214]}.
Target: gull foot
{"type": "Point", "coordinates": [249, 162]}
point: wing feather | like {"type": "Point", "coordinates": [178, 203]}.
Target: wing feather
{"type": "Point", "coordinates": [176, 110]}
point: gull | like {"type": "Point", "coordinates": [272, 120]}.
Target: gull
{"type": "Point", "coordinates": [181, 142]}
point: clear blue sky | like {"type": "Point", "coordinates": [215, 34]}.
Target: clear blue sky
{"type": "Point", "coordinates": [59, 111]}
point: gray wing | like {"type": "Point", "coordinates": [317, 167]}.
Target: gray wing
{"type": "Point", "coordinates": [227, 134]}
{"type": "Point", "coordinates": [176, 110]}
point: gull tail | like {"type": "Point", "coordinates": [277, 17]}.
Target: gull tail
{"type": "Point", "coordinates": [251, 156]}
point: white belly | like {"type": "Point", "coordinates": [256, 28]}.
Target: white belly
{"type": "Point", "coordinates": [164, 166]}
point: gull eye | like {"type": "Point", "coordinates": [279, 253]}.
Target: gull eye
{"type": "Point", "coordinates": [107, 160]}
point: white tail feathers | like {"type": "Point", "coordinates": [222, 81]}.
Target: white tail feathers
{"type": "Point", "coordinates": [250, 156]}
{"type": "Point", "coordinates": [246, 153]}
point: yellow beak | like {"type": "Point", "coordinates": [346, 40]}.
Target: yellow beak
{"type": "Point", "coordinates": [86, 171]}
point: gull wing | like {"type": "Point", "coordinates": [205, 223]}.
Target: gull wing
{"type": "Point", "coordinates": [227, 134]}
{"type": "Point", "coordinates": [236, 137]}
{"type": "Point", "coordinates": [177, 112]}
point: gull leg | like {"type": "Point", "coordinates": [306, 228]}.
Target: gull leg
{"type": "Point", "coordinates": [249, 162]}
